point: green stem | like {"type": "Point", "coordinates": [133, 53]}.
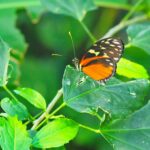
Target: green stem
{"type": "Point", "coordinates": [122, 25]}
{"type": "Point", "coordinates": [19, 4]}
{"type": "Point", "coordinates": [87, 31]}
{"type": "Point", "coordinates": [90, 129]}
{"type": "Point", "coordinates": [49, 108]}
{"type": "Point", "coordinates": [54, 112]}
{"type": "Point", "coordinates": [132, 10]}
{"type": "Point", "coordinates": [10, 93]}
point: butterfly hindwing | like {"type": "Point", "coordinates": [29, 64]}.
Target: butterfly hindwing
{"type": "Point", "coordinates": [100, 69]}
{"type": "Point", "coordinates": [100, 60]}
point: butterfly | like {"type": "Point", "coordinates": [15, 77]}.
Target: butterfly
{"type": "Point", "coordinates": [100, 61]}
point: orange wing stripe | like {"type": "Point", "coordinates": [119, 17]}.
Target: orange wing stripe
{"type": "Point", "coordinates": [98, 71]}
{"type": "Point", "coordinates": [87, 60]}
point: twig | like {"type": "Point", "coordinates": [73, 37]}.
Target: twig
{"type": "Point", "coordinates": [50, 115]}
{"type": "Point", "coordinates": [132, 10]}
{"type": "Point", "coordinates": [122, 25]}
{"type": "Point", "coordinates": [87, 31]}
{"type": "Point", "coordinates": [10, 93]}
{"type": "Point", "coordinates": [50, 106]}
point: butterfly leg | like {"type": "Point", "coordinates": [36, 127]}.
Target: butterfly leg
{"type": "Point", "coordinates": [102, 82]}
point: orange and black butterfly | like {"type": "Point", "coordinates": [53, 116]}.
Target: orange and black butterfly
{"type": "Point", "coordinates": [99, 62]}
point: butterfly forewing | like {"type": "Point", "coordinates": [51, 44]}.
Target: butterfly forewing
{"type": "Point", "coordinates": [100, 60]}
{"type": "Point", "coordinates": [111, 47]}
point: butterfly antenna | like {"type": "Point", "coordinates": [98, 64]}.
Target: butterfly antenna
{"type": "Point", "coordinates": [75, 59]}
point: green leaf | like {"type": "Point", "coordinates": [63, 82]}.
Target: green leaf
{"type": "Point", "coordinates": [121, 4]}
{"type": "Point", "coordinates": [55, 133]}
{"type": "Point", "coordinates": [35, 13]}
{"type": "Point", "coordinates": [13, 37]}
{"type": "Point", "coordinates": [18, 4]}
{"type": "Point", "coordinates": [118, 99]}
{"type": "Point", "coordinates": [14, 135]}
{"type": "Point", "coordinates": [4, 60]}
{"type": "Point", "coordinates": [32, 96]}
{"type": "Point", "coordinates": [131, 69]}
{"type": "Point", "coordinates": [139, 36]}
{"type": "Point", "coordinates": [14, 108]}
{"type": "Point", "coordinates": [74, 8]}
{"type": "Point", "coordinates": [132, 133]}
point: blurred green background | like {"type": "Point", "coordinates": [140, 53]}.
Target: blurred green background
{"type": "Point", "coordinates": [46, 34]}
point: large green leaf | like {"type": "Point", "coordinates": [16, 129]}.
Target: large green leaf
{"type": "Point", "coordinates": [14, 108]}
{"type": "Point", "coordinates": [118, 99]}
{"type": "Point", "coordinates": [11, 35]}
{"type": "Point", "coordinates": [121, 4]}
{"type": "Point", "coordinates": [139, 35]}
{"type": "Point", "coordinates": [14, 38]}
{"type": "Point", "coordinates": [55, 133]}
{"type": "Point", "coordinates": [132, 133]}
{"type": "Point", "coordinates": [74, 8]}
{"type": "Point", "coordinates": [131, 69]}
{"type": "Point", "coordinates": [34, 7]}
{"type": "Point", "coordinates": [14, 135]}
{"type": "Point", "coordinates": [32, 96]}
{"type": "Point", "coordinates": [4, 60]}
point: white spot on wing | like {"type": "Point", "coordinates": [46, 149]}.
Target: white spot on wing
{"type": "Point", "coordinates": [102, 47]}
{"type": "Point", "coordinates": [107, 59]}
{"type": "Point", "coordinates": [116, 42]}
{"type": "Point", "coordinates": [119, 46]}
{"type": "Point", "coordinates": [111, 52]}
{"type": "Point", "coordinates": [107, 42]}
{"type": "Point", "coordinates": [111, 64]}
{"type": "Point", "coordinates": [112, 45]}
{"type": "Point", "coordinates": [116, 58]}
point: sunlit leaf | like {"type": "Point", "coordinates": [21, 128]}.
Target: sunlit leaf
{"type": "Point", "coordinates": [55, 133]}
{"type": "Point", "coordinates": [14, 135]}
{"type": "Point", "coordinates": [74, 8]}
{"type": "Point", "coordinates": [4, 60]}
{"type": "Point", "coordinates": [139, 35]}
{"type": "Point", "coordinates": [131, 69]}
{"type": "Point", "coordinates": [14, 108]}
{"type": "Point", "coordinates": [118, 99]}
{"type": "Point", "coordinates": [132, 133]}
{"type": "Point", "coordinates": [32, 96]}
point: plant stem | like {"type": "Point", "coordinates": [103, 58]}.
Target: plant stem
{"type": "Point", "coordinates": [122, 25]}
{"type": "Point", "coordinates": [90, 129]}
{"type": "Point", "coordinates": [132, 10]}
{"type": "Point", "coordinates": [55, 111]}
{"type": "Point", "coordinates": [49, 108]}
{"type": "Point", "coordinates": [87, 31]}
{"type": "Point", "coordinates": [10, 93]}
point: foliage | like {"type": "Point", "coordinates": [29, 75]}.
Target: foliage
{"type": "Point", "coordinates": [116, 112]}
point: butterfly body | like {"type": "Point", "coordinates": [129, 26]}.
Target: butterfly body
{"type": "Point", "coordinates": [100, 61]}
